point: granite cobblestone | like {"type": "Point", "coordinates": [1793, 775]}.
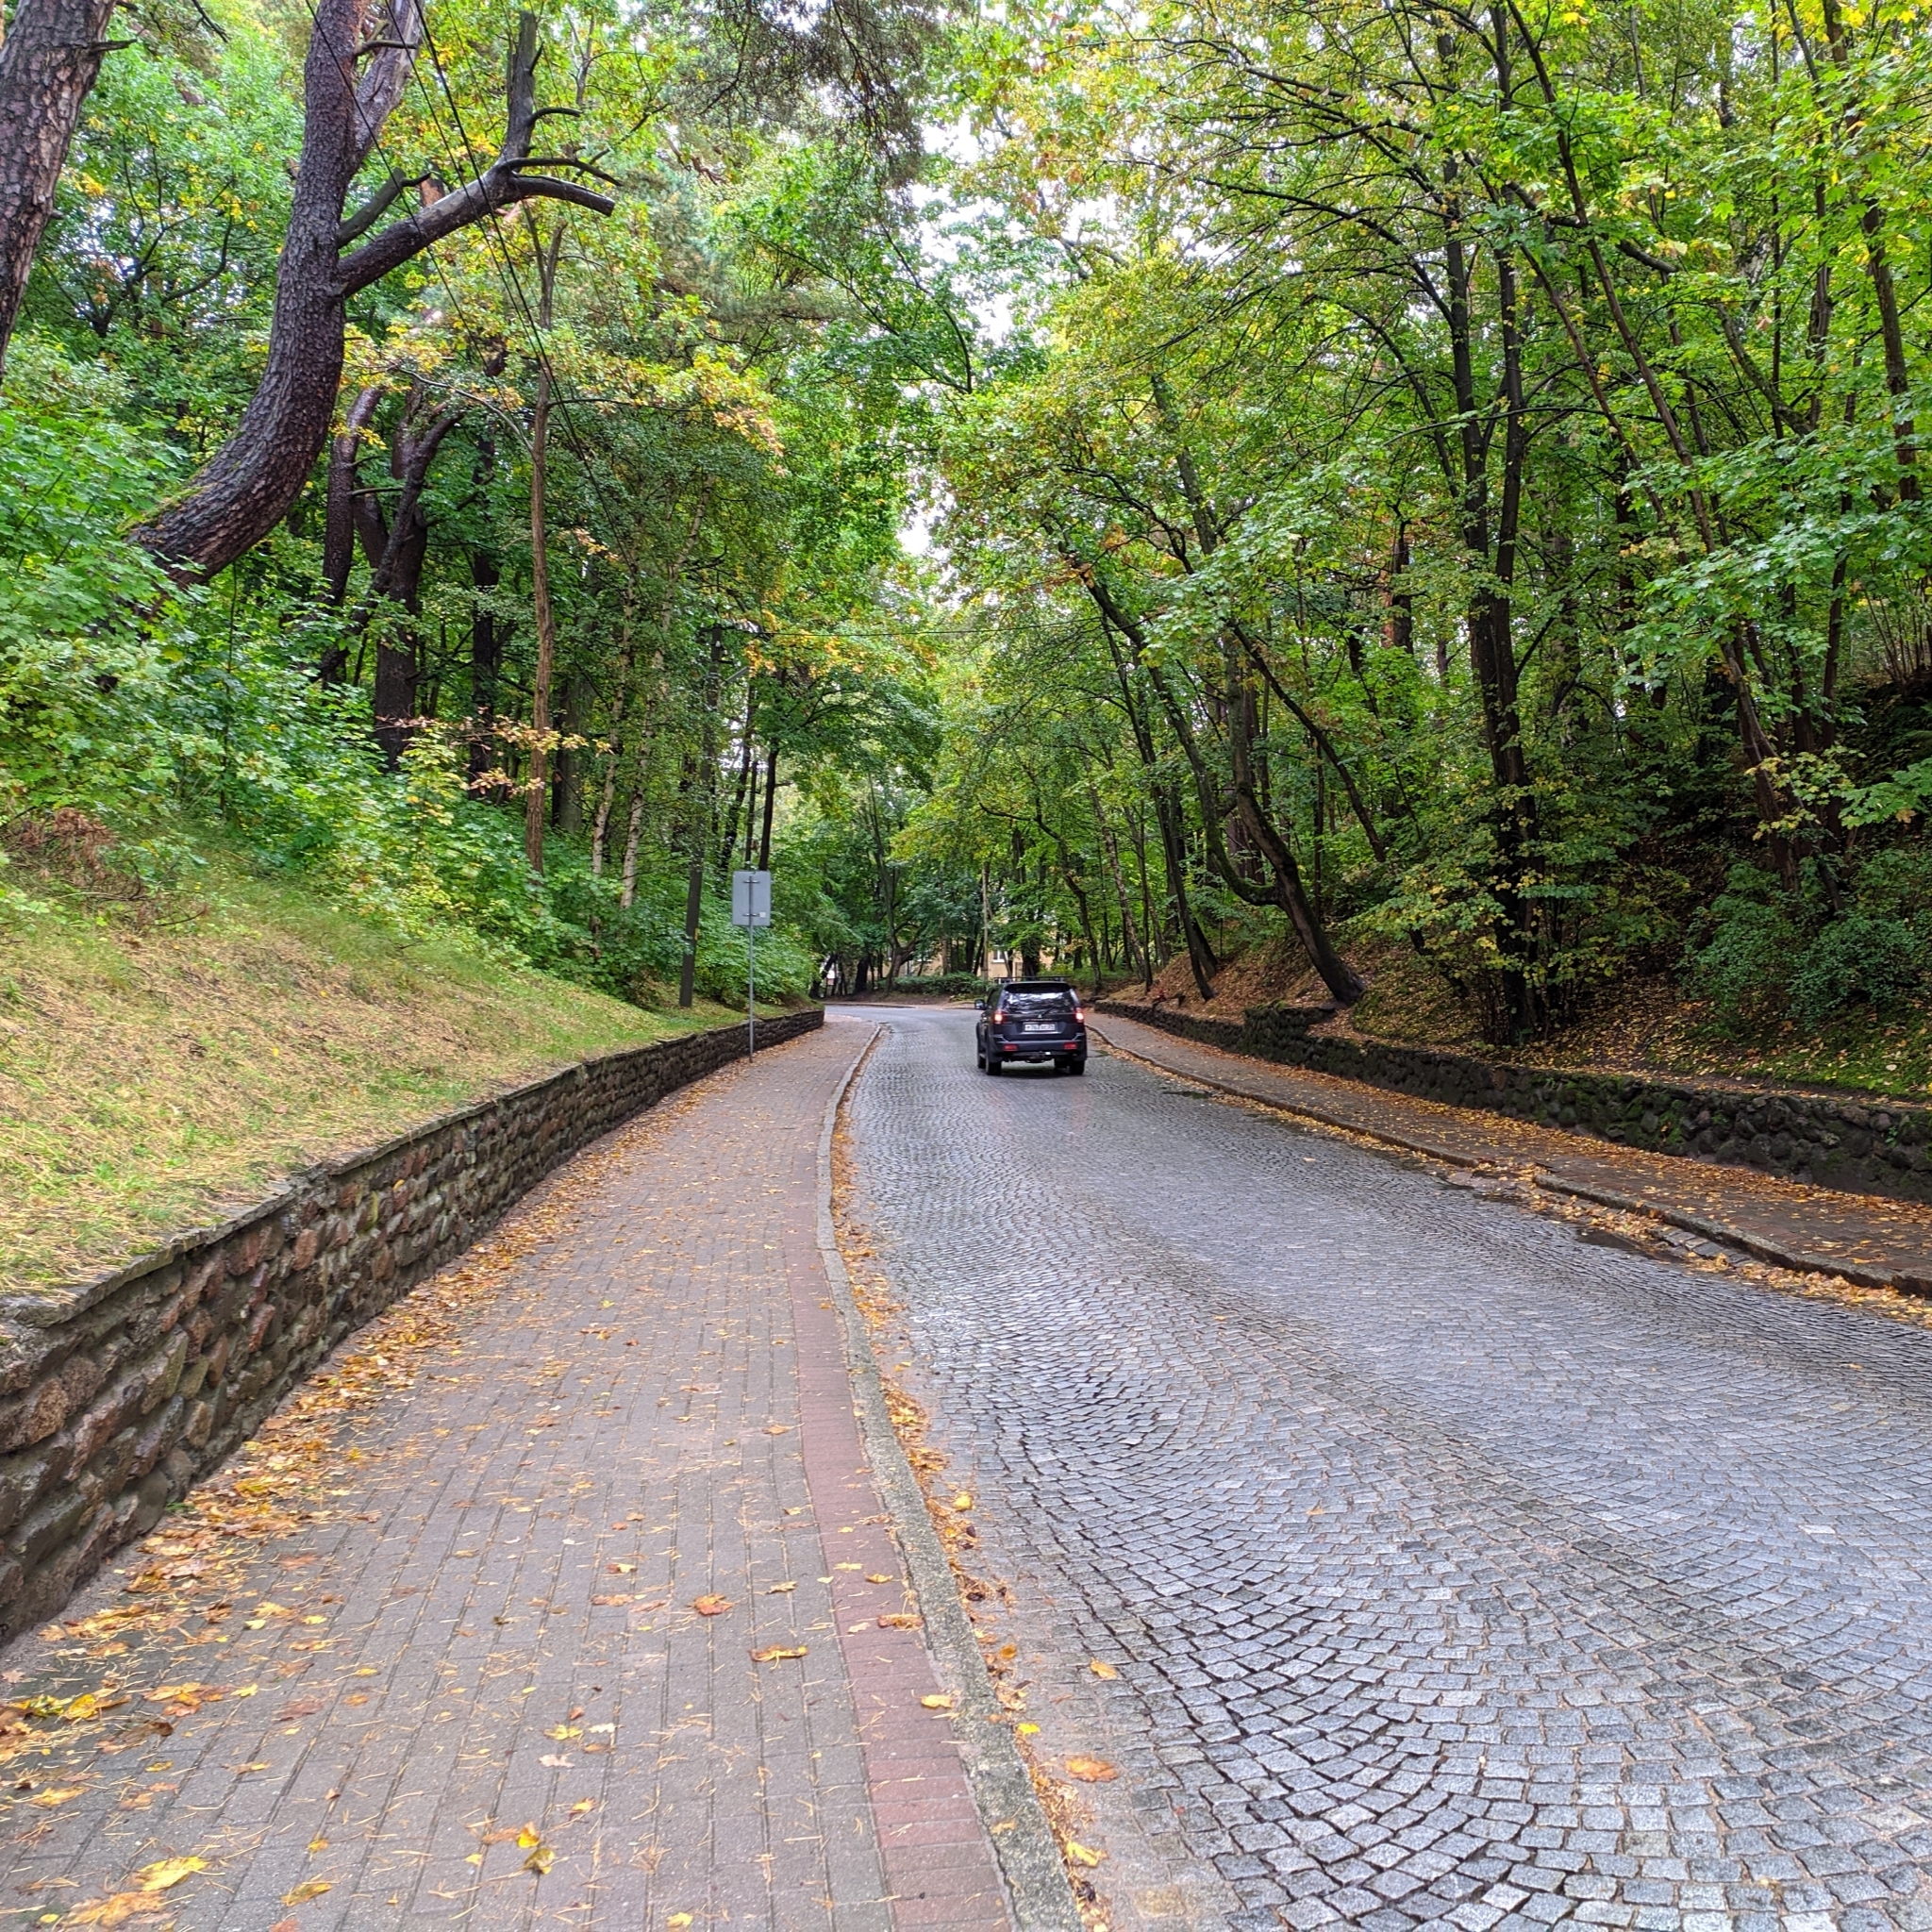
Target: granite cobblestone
{"type": "Point", "coordinates": [1455, 1573]}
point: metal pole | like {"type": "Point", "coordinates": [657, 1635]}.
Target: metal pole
{"type": "Point", "coordinates": [751, 992]}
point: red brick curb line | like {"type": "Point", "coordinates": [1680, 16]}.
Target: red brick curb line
{"type": "Point", "coordinates": [939, 1863]}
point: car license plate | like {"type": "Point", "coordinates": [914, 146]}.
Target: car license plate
{"type": "Point", "coordinates": [1041, 1026]}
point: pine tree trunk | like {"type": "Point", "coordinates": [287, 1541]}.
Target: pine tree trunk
{"type": "Point", "coordinates": [48, 64]}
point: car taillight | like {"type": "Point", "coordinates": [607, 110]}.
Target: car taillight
{"type": "Point", "coordinates": [1079, 1016]}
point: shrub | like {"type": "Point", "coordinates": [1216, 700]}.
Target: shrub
{"type": "Point", "coordinates": [1898, 884]}
{"type": "Point", "coordinates": [1861, 957]}
{"type": "Point", "coordinates": [1743, 948]}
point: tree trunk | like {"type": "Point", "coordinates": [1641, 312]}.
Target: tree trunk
{"type": "Point", "coordinates": [771, 798]}
{"type": "Point", "coordinates": [567, 790]}
{"type": "Point", "coordinates": [534, 796]}
{"type": "Point", "coordinates": [486, 663]}
{"type": "Point", "coordinates": [397, 579]}
{"type": "Point", "coordinates": [49, 62]}
{"type": "Point", "coordinates": [628, 884]}
{"type": "Point", "coordinates": [338, 518]}
{"type": "Point", "coordinates": [249, 483]}
{"type": "Point", "coordinates": [702, 802]}
{"type": "Point", "coordinates": [600, 830]}
{"type": "Point", "coordinates": [1110, 846]}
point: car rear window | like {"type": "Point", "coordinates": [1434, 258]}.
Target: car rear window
{"type": "Point", "coordinates": [1053, 1002]}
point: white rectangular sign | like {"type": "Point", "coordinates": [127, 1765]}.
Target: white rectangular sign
{"type": "Point", "coordinates": [751, 898]}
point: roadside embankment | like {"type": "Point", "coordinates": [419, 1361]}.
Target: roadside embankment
{"type": "Point", "coordinates": [1869, 1147]}
{"type": "Point", "coordinates": [166, 1061]}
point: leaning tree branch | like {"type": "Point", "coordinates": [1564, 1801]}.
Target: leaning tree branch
{"type": "Point", "coordinates": [248, 485]}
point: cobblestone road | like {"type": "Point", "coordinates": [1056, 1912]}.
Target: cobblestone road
{"type": "Point", "coordinates": [488, 1678]}
{"type": "Point", "coordinates": [1453, 1571]}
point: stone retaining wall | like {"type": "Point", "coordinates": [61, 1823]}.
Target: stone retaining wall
{"type": "Point", "coordinates": [117, 1393]}
{"type": "Point", "coordinates": [1833, 1142]}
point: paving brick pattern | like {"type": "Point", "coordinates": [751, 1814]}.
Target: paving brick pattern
{"type": "Point", "coordinates": [1456, 1574]}
{"type": "Point", "coordinates": [664, 1390]}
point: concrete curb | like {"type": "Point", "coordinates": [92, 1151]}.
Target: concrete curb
{"type": "Point", "coordinates": [1752, 1245]}
{"type": "Point", "coordinates": [1030, 1860]}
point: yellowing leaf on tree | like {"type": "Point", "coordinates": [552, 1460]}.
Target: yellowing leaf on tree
{"type": "Point", "coordinates": [166, 1871]}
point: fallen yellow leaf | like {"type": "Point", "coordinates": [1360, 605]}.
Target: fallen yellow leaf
{"type": "Point", "coordinates": [938, 1701]}
{"type": "Point", "coordinates": [540, 1860]}
{"type": "Point", "coordinates": [1092, 1770]}
{"type": "Point", "coordinates": [877, 1577]}
{"type": "Point", "coordinates": [711, 1605]}
{"type": "Point", "coordinates": [308, 1889]}
{"type": "Point", "coordinates": [777, 1652]}
{"type": "Point", "coordinates": [565, 1731]}
{"type": "Point", "coordinates": [1101, 1670]}
{"type": "Point", "coordinates": [677, 1921]}
{"type": "Point", "coordinates": [89, 1706]}
{"type": "Point", "coordinates": [780, 1589]}
{"type": "Point", "coordinates": [48, 1799]}
{"type": "Point", "coordinates": [1084, 1855]}
{"type": "Point", "coordinates": [899, 1620]}
{"type": "Point", "coordinates": [962, 1501]}
{"type": "Point", "coordinates": [116, 1910]}
{"type": "Point", "coordinates": [166, 1871]}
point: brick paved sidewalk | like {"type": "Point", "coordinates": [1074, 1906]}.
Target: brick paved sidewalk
{"type": "Point", "coordinates": [490, 1626]}
{"type": "Point", "coordinates": [1871, 1242]}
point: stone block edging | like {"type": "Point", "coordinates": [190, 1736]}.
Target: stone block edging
{"type": "Point", "coordinates": [1827, 1141]}
{"type": "Point", "coordinates": [118, 1392]}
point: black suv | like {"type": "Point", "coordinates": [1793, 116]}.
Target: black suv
{"type": "Point", "coordinates": [1032, 1020]}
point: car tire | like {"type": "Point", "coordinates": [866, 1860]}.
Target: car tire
{"type": "Point", "coordinates": [992, 1066]}
{"type": "Point", "coordinates": [1078, 1066]}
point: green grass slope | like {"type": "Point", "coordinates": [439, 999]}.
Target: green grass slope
{"type": "Point", "coordinates": [160, 1074]}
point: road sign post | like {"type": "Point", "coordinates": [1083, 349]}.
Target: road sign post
{"type": "Point", "coordinates": [751, 907]}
